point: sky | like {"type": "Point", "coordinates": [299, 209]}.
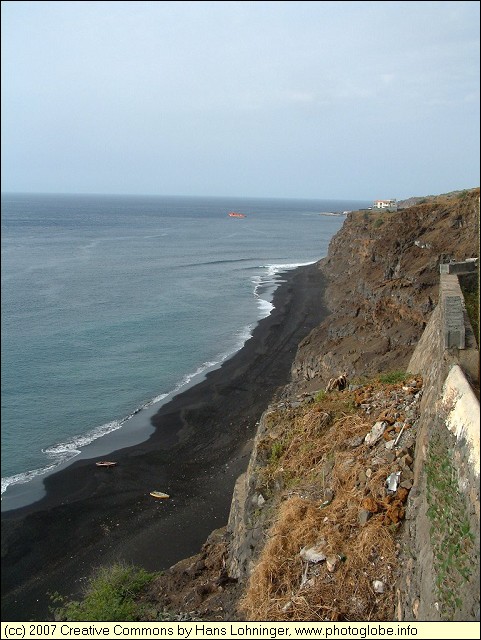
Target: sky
{"type": "Point", "coordinates": [349, 100]}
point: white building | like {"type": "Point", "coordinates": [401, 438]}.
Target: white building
{"type": "Point", "coordinates": [390, 205]}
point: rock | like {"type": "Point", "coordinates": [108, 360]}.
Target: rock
{"type": "Point", "coordinates": [363, 516]}
{"type": "Point", "coordinates": [370, 504]}
{"type": "Point", "coordinates": [407, 460]}
{"type": "Point", "coordinates": [355, 442]}
{"type": "Point", "coordinates": [329, 494]}
{"type": "Point", "coordinates": [395, 512]}
{"type": "Point", "coordinates": [407, 474]}
{"type": "Point", "coordinates": [378, 586]}
{"type": "Point", "coordinates": [328, 498]}
{"type": "Point", "coordinates": [313, 554]}
{"type": "Point", "coordinates": [331, 563]}
{"type": "Point", "coordinates": [376, 433]}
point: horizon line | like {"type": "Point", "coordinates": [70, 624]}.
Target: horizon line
{"type": "Point", "coordinates": [166, 195]}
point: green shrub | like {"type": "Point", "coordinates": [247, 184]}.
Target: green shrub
{"type": "Point", "coordinates": [276, 452]}
{"type": "Point", "coordinates": [393, 376]}
{"type": "Point", "coordinates": [109, 596]}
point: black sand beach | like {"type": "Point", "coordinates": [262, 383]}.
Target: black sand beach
{"type": "Point", "coordinates": [201, 444]}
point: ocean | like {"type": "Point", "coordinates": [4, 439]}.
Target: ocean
{"type": "Point", "coordinates": [113, 304]}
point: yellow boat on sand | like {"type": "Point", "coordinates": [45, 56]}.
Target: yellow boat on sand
{"type": "Point", "coordinates": [159, 494]}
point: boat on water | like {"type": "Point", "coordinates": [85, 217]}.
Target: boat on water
{"type": "Point", "coordinates": [105, 463]}
{"type": "Point", "coordinates": [234, 214]}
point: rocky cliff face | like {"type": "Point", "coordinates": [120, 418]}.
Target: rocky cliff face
{"type": "Point", "coordinates": [382, 271]}
{"type": "Point", "coordinates": [383, 274]}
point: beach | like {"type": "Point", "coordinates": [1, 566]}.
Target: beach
{"type": "Point", "coordinates": [94, 516]}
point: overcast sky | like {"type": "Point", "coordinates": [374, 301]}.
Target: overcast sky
{"type": "Point", "coordinates": [310, 99]}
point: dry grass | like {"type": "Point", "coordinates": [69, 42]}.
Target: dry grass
{"type": "Point", "coordinates": [317, 459]}
{"type": "Point", "coordinates": [282, 587]}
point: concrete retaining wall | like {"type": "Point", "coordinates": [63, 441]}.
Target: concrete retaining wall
{"type": "Point", "coordinates": [448, 359]}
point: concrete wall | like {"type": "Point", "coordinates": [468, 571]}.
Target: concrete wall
{"type": "Point", "coordinates": [448, 359]}
{"type": "Point", "coordinates": [462, 420]}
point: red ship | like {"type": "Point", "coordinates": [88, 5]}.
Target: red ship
{"type": "Point", "coordinates": [233, 214]}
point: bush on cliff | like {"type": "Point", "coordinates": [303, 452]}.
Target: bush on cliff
{"type": "Point", "coordinates": [111, 594]}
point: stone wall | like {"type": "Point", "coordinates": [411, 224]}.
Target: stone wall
{"type": "Point", "coordinates": [448, 359]}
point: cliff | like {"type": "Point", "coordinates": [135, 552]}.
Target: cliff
{"type": "Point", "coordinates": [383, 275]}
{"type": "Point", "coordinates": [316, 482]}
{"type": "Point", "coordinates": [325, 523]}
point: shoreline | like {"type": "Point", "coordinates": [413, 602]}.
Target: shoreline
{"type": "Point", "coordinates": [200, 445]}
{"type": "Point", "coordinates": [136, 427]}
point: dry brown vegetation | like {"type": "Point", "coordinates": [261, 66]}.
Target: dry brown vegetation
{"type": "Point", "coordinates": [283, 587]}
{"type": "Point", "coordinates": [328, 479]}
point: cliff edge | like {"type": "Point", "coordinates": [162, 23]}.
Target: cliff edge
{"type": "Point", "coordinates": [383, 282]}
{"type": "Point", "coordinates": [318, 527]}
{"type": "Point", "coordinates": [333, 519]}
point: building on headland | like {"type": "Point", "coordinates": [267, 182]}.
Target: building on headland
{"type": "Point", "coordinates": [389, 205]}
